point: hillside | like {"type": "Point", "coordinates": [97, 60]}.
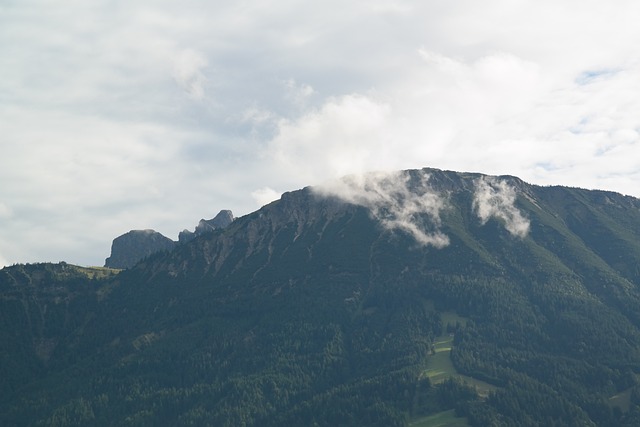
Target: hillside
{"type": "Point", "coordinates": [335, 305]}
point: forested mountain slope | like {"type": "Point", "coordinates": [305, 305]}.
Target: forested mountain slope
{"type": "Point", "coordinates": [324, 308]}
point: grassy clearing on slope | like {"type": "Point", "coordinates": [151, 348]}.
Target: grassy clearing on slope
{"type": "Point", "coordinates": [64, 271]}
{"type": "Point", "coordinates": [441, 419]}
{"type": "Point", "coordinates": [97, 272]}
{"type": "Point", "coordinates": [621, 400]}
{"type": "Point", "coordinates": [439, 364]}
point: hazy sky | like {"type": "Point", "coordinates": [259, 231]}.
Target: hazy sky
{"type": "Point", "coordinates": [119, 115]}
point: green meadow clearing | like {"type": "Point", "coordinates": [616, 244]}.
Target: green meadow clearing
{"type": "Point", "coordinates": [440, 368]}
{"type": "Point", "coordinates": [441, 419]}
{"type": "Point", "coordinates": [621, 400]}
{"type": "Point", "coordinates": [439, 364]}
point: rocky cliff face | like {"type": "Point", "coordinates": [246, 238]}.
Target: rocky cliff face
{"type": "Point", "coordinates": [127, 250]}
{"type": "Point", "coordinates": [222, 220]}
{"type": "Point", "coordinates": [131, 247]}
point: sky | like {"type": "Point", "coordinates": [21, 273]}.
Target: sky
{"type": "Point", "coordinates": [119, 115]}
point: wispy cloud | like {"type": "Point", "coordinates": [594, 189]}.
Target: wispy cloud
{"type": "Point", "coordinates": [496, 198]}
{"type": "Point", "coordinates": [592, 76]}
{"type": "Point", "coordinates": [298, 94]}
{"type": "Point", "coordinates": [265, 195]}
{"type": "Point", "coordinates": [398, 200]}
{"type": "Point", "coordinates": [189, 72]}
{"type": "Point", "coordinates": [5, 211]}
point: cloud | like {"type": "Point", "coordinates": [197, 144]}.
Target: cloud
{"type": "Point", "coordinates": [496, 199]}
{"type": "Point", "coordinates": [101, 134]}
{"type": "Point", "coordinates": [188, 72]}
{"type": "Point", "coordinates": [298, 94]}
{"type": "Point", "coordinates": [265, 195]}
{"type": "Point", "coordinates": [399, 200]}
{"type": "Point", "coordinates": [391, 7]}
{"type": "Point", "coordinates": [335, 140]}
{"type": "Point", "coordinates": [3, 262]}
{"type": "Point", "coordinates": [5, 211]}
{"type": "Point", "coordinates": [471, 115]}
{"type": "Point", "coordinates": [440, 113]}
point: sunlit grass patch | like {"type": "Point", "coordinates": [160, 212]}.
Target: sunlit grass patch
{"type": "Point", "coordinates": [621, 400]}
{"type": "Point", "coordinates": [441, 419]}
{"type": "Point", "coordinates": [439, 365]}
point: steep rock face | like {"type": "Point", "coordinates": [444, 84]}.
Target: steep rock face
{"type": "Point", "coordinates": [222, 220]}
{"type": "Point", "coordinates": [131, 247]}
{"type": "Point", "coordinates": [128, 249]}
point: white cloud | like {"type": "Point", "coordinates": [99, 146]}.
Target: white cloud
{"type": "Point", "coordinates": [5, 211]}
{"type": "Point", "coordinates": [298, 94]}
{"type": "Point", "coordinates": [265, 195]}
{"type": "Point", "coordinates": [188, 72]}
{"type": "Point", "coordinates": [257, 115]}
{"type": "Point", "coordinates": [498, 114]}
{"type": "Point", "coordinates": [100, 131]}
{"type": "Point", "coordinates": [442, 111]}
{"type": "Point", "coordinates": [396, 199]}
{"type": "Point", "coordinates": [496, 198]}
{"type": "Point", "coordinates": [332, 141]}
{"type": "Point", "coordinates": [390, 7]}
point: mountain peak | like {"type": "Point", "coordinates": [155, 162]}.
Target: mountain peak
{"type": "Point", "coordinates": [131, 247]}
{"type": "Point", "coordinates": [221, 220]}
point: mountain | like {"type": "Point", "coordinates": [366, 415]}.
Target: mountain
{"type": "Point", "coordinates": [221, 220]}
{"type": "Point", "coordinates": [131, 247]}
{"type": "Point", "coordinates": [411, 298]}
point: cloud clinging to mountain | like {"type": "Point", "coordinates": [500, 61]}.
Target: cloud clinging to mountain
{"type": "Point", "coordinates": [396, 200]}
{"type": "Point", "coordinates": [494, 198]}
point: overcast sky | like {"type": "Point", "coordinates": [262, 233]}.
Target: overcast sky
{"type": "Point", "coordinates": [119, 115]}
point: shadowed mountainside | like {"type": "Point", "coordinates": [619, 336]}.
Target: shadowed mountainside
{"type": "Point", "coordinates": [323, 308]}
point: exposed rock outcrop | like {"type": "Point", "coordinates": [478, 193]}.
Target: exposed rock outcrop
{"type": "Point", "coordinates": [127, 250]}
{"type": "Point", "coordinates": [131, 247]}
{"type": "Point", "coordinates": [222, 220]}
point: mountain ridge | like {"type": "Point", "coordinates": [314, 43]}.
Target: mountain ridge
{"type": "Point", "coordinates": [325, 306]}
{"type": "Point", "coordinates": [135, 245]}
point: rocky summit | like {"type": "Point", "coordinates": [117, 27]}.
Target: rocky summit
{"type": "Point", "coordinates": [221, 220]}
{"type": "Point", "coordinates": [128, 249]}
{"type": "Point", "coordinates": [131, 247]}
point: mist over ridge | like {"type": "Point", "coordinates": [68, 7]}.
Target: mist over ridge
{"type": "Point", "coordinates": [405, 200]}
